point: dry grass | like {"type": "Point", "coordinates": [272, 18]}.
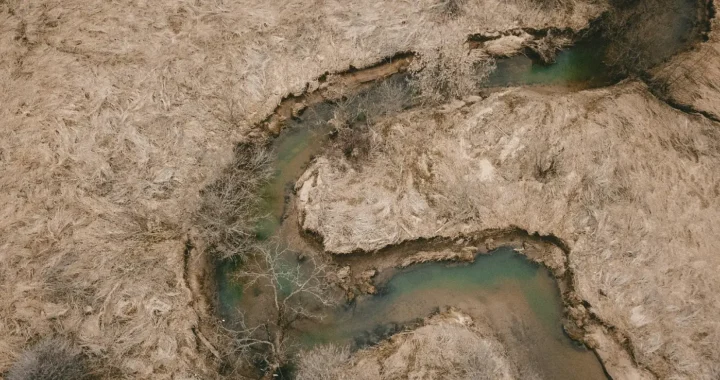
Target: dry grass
{"type": "Point", "coordinates": [353, 116]}
{"type": "Point", "coordinates": [627, 182]}
{"type": "Point", "coordinates": [448, 346]}
{"type": "Point", "coordinates": [325, 362]}
{"type": "Point", "coordinates": [446, 73]}
{"type": "Point", "coordinates": [692, 78]}
{"type": "Point", "coordinates": [116, 114]}
{"type": "Point", "coordinates": [643, 34]}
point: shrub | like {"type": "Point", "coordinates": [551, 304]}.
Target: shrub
{"type": "Point", "coordinates": [230, 207]}
{"type": "Point", "coordinates": [322, 363]}
{"type": "Point", "coordinates": [451, 72]}
{"type": "Point", "coordinates": [49, 360]}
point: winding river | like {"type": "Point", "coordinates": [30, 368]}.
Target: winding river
{"type": "Point", "coordinates": [519, 298]}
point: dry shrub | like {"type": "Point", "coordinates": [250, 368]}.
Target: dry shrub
{"type": "Point", "coordinates": [460, 353]}
{"type": "Point", "coordinates": [230, 208]}
{"type": "Point", "coordinates": [452, 8]}
{"type": "Point", "coordinates": [546, 48]}
{"type": "Point", "coordinates": [451, 72]}
{"type": "Point", "coordinates": [325, 362]}
{"type": "Point", "coordinates": [352, 118]}
{"type": "Point", "coordinates": [555, 4]}
{"type": "Point", "coordinates": [52, 359]}
{"type": "Point", "coordinates": [355, 142]}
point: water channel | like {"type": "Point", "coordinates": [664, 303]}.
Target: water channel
{"type": "Point", "coordinates": [519, 298]}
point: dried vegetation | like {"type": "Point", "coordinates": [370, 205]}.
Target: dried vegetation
{"type": "Point", "coordinates": [691, 79]}
{"type": "Point", "coordinates": [230, 208]}
{"type": "Point", "coordinates": [448, 346]}
{"type": "Point", "coordinates": [117, 114]}
{"type": "Point", "coordinates": [294, 292]}
{"type": "Point", "coordinates": [52, 359]}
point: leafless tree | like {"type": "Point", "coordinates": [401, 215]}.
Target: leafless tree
{"type": "Point", "coordinates": [296, 291]}
{"type": "Point", "coordinates": [230, 207]}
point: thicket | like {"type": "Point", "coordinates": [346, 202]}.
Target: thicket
{"type": "Point", "coordinates": [231, 206]}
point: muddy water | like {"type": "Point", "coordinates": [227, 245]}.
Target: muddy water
{"type": "Point", "coordinates": [519, 299]}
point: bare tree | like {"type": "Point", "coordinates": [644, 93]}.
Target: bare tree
{"type": "Point", "coordinates": [230, 207]}
{"type": "Point", "coordinates": [296, 292]}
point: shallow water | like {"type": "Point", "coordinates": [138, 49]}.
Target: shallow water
{"type": "Point", "coordinates": [519, 299]}
{"type": "Point", "coordinates": [579, 66]}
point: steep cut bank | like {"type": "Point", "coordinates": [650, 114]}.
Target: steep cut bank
{"type": "Point", "coordinates": [624, 180]}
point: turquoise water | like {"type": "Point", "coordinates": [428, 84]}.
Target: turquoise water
{"type": "Point", "coordinates": [578, 66]}
{"type": "Point", "coordinates": [514, 293]}
{"type": "Point", "coordinates": [295, 147]}
{"type": "Point", "coordinates": [518, 298]}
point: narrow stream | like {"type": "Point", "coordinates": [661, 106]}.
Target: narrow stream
{"type": "Point", "coordinates": [578, 67]}
{"type": "Point", "coordinates": [518, 298]}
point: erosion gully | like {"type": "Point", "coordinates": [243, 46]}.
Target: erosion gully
{"type": "Point", "coordinates": [519, 298]}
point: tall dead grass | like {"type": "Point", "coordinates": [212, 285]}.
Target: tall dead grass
{"type": "Point", "coordinates": [325, 362]}
{"type": "Point", "coordinates": [643, 34]}
{"type": "Point", "coordinates": [627, 181]}
{"type": "Point", "coordinates": [449, 73]}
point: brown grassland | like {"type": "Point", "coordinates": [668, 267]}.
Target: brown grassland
{"type": "Point", "coordinates": [115, 114]}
